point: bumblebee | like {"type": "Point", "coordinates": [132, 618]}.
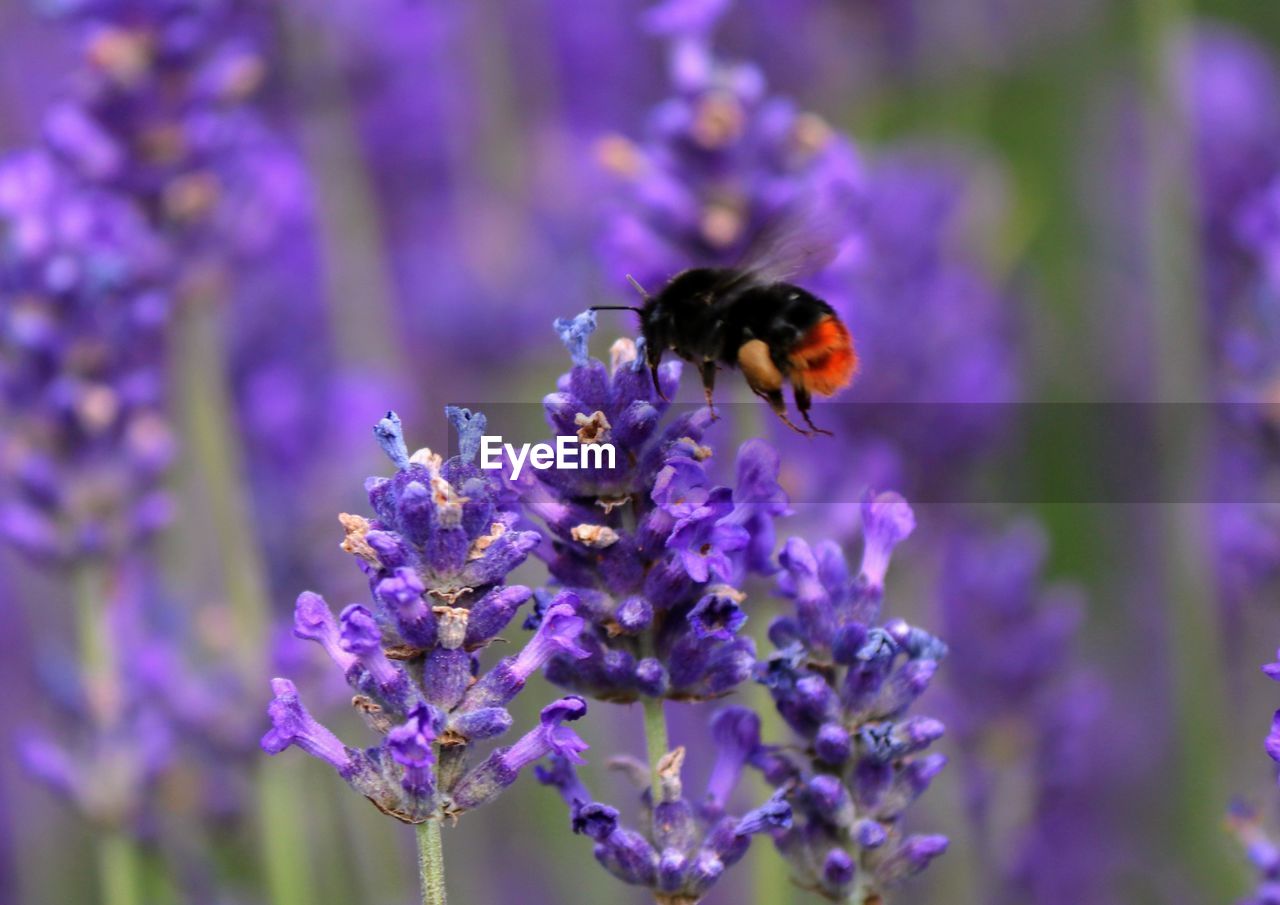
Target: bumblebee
{"type": "Point", "coordinates": [773, 331]}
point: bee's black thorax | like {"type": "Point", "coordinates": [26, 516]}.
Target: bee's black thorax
{"type": "Point", "coordinates": [706, 314]}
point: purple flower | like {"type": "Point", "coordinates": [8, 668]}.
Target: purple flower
{"type": "Point", "coordinates": [655, 553]}
{"type": "Point", "coordinates": [150, 176]}
{"type": "Point", "coordinates": [887, 521]}
{"type": "Point", "coordinates": [153, 182]}
{"type": "Point", "coordinates": [442, 519]}
{"type": "Point", "coordinates": [717, 615]}
{"type": "Point", "coordinates": [1230, 88]}
{"type": "Point", "coordinates": [845, 685]}
{"type": "Point", "coordinates": [1272, 671]}
{"type": "Point", "coordinates": [82, 314]}
{"type": "Point", "coordinates": [107, 772]}
{"type": "Point", "coordinates": [736, 734]}
{"type": "Point", "coordinates": [694, 18]}
{"type": "Point", "coordinates": [502, 767]}
{"type": "Point", "coordinates": [703, 541]}
{"type": "Point", "coordinates": [652, 548]}
{"type": "Point", "coordinates": [681, 847]}
{"type": "Point", "coordinates": [557, 635]}
{"type": "Point", "coordinates": [188, 95]}
{"type": "Point", "coordinates": [720, 163]}
{"type": "Point", "coordinates": [292, 724]}
{"type": "Point", "coordinates": [113, 737]}
{"type": "Point", "coordinates": [412, 746]}
{"type": "Point", "coordinates": [1273, 738]}
{"type": "Point", "coordinates": [443, 539]}
{"type": "Point", "coordinates": [758, 501]}
{"type": "Point", "coordinates": [1014, 677]}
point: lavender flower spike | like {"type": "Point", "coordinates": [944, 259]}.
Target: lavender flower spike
{"type": "Point", "coordinates": [441, 541]}
{"type": "Point", "coordinates": [653, 550]}
{"type": "Point", "coordinates": [654, 555]}
{"type": "Point", "coordinates": [682, 846]}
{"type": "Point", "coordinates": [844, 684]}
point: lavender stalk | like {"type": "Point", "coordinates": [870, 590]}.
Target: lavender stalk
{"type": "Point", "coordinates": [215, 457]}
{"type": "Point", "coordinates": [657, 554]}
{"type": "Point", "coordinates": [1174, 256]}
{"type": "Point", "coordinates": [431, 863]}
{"type": "Point", "coordinates": [656, 739]}
{"type": "Point", "coordinates": [163, 121]}
{"type": "Point", "coordinates": [442, 539]}
{"type": "Point", "coordinates": [845, 682]}
{"type": "Point", "coordinates": [117, 853]}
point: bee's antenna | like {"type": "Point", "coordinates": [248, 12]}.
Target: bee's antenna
{"type": "Point", "coordinates": [640, 289]}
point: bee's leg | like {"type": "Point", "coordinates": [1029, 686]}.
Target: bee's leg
{"type": "Point", "coordinates": [803, 402]}
{"type": "Point", "coordinates": [765, 379]}
{"type": "Point", "coordinates": [708, 385]}
{"type": "Point", "coordinates": [657, 388]}
{"type": "Point", "coordinates": [779, 406]}
{"type": "Point", "coordinates": [780, 409]}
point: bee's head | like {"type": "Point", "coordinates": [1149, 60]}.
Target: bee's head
{"type": "Point", "coordinates": [653, 327]}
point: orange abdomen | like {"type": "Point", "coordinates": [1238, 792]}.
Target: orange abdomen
{"type": "Point", "coordinates": [824, 361]}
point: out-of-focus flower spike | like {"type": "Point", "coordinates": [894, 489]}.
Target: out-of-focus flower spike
{"type": "Point", "coordinates": [685, 17]}
{"type": "Point", "coordinates": [50, 763]}
{"type": "Point", "coordinates": [844, 686]}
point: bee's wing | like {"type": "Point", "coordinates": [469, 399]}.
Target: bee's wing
{"type": "Point", "coordinates": [798, 243]}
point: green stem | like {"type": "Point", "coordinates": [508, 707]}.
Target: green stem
{"type": "Point", "coordinates": [89, 588]}
{"type": "Point", "coordinates": [118, 856]}
{"type": "Point", "coordinates": [118, 866]}
{"type": "Point", "coordinates": [280, 824]}
{"type": "Point", "coordinates": [358, 289]}
{"type": "Point", "coordinates": [214, 460]}
{"type": "Point", "coordinates": [431, 862]}
{"type": "Point", "coordinates": [655, 738]}
{"type": "Point", "coordinates": [771, 877]}
{"type": "Point", "coordinates": [1182, 379]}
{"type": "Point", "coordinates": [215, 470]}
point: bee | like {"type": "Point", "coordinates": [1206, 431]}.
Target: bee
{"type": "Point", "coordinates": [750, 318]}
